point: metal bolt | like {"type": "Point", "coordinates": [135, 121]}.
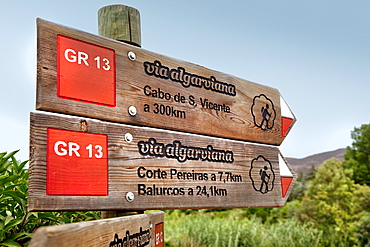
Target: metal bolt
{"type": "Point", "coordinates": [131, 55]}
{"type": "Point", "coordinates": [130, 196]}
{"type": "Point", "coordinates": [128, 137]}
{"type": "Point", "coordinates": [132, 110]}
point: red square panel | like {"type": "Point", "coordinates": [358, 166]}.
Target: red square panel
{"type": "Point", "coordinates": [159, 235]}
{"type": "Point", "coordinates": [77, 163]}
{"type": "Point", "coordinates": [86, 72]}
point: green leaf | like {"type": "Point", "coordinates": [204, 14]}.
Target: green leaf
{"type": "Point", "coordinates": [8, 179]}
{"type": "Point", "coordinates": [32, 215]}
{"type": "Point", "coordinates": [23, 188]}
{"type": "Point", "coordinates": [20, 235]}
{"type": "Point", "coordinates": [8, 218]}
{"type": "Point", "coordinates": [2, 155]}
{"type": "Point", "coordinates": [17, 196]}
{"type": "Point", "coordinates": [12, 223]}
{"type": "Point", "coordinates": [8, 156]}
{"type": "Point", "coordinates": [10, 243]}
{"type": "Point", "coordinates": [23, 164]}
{"type": "Point", "coordinates": [15, 163]}
{"type": "Point", "coordinates": [10, 187]}
{"type": "Point", "coordinates": [4, 166]}
{"type": "Point", "coordinates": [49, 216]}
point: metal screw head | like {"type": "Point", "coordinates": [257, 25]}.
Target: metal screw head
{"type": "Point", "coordinates": [128, 137]}
{"type": "Point", "coordinates": [131, 55]}
{"type": "Point", "coordinates": [132, 110]}
{"type": "Point", "coordinates": [130, 196]}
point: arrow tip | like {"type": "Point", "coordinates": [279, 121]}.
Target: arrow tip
{"type": "Point", "coordinates": [287, 118]}
{"type": "Point", "coordinates": [286, 176]}
{"type": "Point", "coordinates": [285, 184]}
{"type": "Point", "coordinates": [286, 124]}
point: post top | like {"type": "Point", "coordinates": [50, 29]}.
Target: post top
{"type": "Point", "coordinates": [120, 22]}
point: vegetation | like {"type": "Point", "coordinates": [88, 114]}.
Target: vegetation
{"type": "Point", "coordinates": [329, 206]}
{"type": "Point", "coordinates": [358, 156]}
{"type": "Point", "coordinates": [301, 184]}
{"type": "Point", "coordinates": [333, 203]}
{"type": "Point", "coordinates": [215, 229]}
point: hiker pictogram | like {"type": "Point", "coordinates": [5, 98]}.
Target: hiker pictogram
{"type": "Point", "coordinates": [265, 180]}
{"type": "Point", "coordinates": [263, 112]}
{"type": "Point", "coordinates": [262, 175]}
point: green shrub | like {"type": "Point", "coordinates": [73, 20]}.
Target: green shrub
{"type": "Point", "coordinates": [204, 229]}
{"type": "Point", "coordinates": [333, 203]}
{"type": "Point", "coordinates": [16, 223]}
{"type": "Point", "coordinates": [362, 229]}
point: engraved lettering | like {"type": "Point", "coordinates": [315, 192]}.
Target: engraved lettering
{"type": "Point", "coordinates": [187, 79]}
{"type": "Point", "coordinates": [139, 239]}
{"type": "Point", "coordinates": [181, 153]}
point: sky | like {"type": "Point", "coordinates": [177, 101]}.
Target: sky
{"type": "Point", "coordinates": [316, 53]}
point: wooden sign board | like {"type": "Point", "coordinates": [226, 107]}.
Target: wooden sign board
{"type": "Point", "coordinates": [136, 230]}
{"type": "Point", "coordinates": [85, 164]}
{"type": "Point", "coordinates": [87, 75]}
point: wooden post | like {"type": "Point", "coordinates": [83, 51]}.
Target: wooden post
{"type": "Point", "coordinates": [121, 23]}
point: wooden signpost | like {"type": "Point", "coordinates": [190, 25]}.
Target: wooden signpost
{"type": "Point", "coordinates": [214, 143]}
{"type": "Point", "coordinates": [137, 230]}
{"type": "Point", "coordinates": [92, 76]}
{"type": "Point", "coordinates": [87, 164]}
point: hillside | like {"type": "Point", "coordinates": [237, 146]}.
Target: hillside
{"type": "Point", "coordinates": [306, 163]}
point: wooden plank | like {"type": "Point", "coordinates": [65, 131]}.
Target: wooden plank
{"type": "Point", "coordinates": [87, 75]}
{"type": "Point", "coordinates": [139, 230]}
{"type": "Point", "coordinates": [86, 164]}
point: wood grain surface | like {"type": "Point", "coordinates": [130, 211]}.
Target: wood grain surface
{"type": "Point", "coordinates": [121, 23]}
{"type": "Point", "coordinates": [107, 232]}
{"type": "Point", "coordinates": [216, 104]}
{"type": "Point", "coordinates": [180, 171]}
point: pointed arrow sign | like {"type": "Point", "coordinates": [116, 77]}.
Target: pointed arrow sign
{"type": "Point", "coordinates": [85, 164]}
{"type": "Point", "coordinates": [92, 76]}
{"type": "Point", "coordinates": [134, 230]}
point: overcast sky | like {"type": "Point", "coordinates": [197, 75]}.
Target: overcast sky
{"type": "Point", "coordinates": [316, 53]}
